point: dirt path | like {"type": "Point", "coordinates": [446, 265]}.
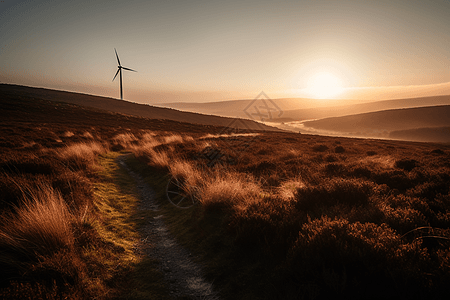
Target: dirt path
{"type": "Point", "coordinates": [182, 276]}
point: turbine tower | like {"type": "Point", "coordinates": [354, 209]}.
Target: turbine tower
{"type": "Point", "coordinates": [119, 70]}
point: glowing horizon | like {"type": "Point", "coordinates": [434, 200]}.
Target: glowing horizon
{"type": "Point", "coordinates": [206, 51]}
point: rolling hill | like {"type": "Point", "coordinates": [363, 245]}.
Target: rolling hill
{"type": "Point", "coordinates": [128, 108]}
{"type": "Point", "coordinates": [404, 122]}
{"type": "Point", "coordinates": [300, 109]}
{"type": "Point", "coordinates": [236, 108]}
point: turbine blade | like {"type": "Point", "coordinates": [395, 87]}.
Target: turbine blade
{"type": "Point", "coordinates": [128, 69]}
{"type": "Point", "coordinates": [118, 70]}
{"type": "Point", "coordinates": [117, 56]}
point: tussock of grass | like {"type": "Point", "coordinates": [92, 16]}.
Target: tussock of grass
{"type": "Point", "coordinates": [40, 225]}
{"type": "Point", "coordinates": [124, 138]}
{"type": "Point", "coordinates": [157, 159]}
{"type": "Point", "coordinates": [225, 191]}
{"type": "Point", "coordinates": [175, 138]}
{"type": "Point", "coordinates": [81, 156]}
{"type": "Point", "coordinates": [88, 135]}
{"type": "Point", "coordinates": [37, 241]}
{"type": "Point", "coordinates": [287, 188]}
{"type": "Point", "coordinates": [68, 134]}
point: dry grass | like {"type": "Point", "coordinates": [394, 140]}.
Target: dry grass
{"type": "Point", "coordinates": [327, 213]}
{"type": "Point", "coordinates": [174, 138]}
{"type": "Point", "coordinates": [299, 215]}
{"type": "Point", "coordinates": [41, 224]}
{"type": "Point", "coordinates": [37, 241]}
{"type": "Point", "coordinates": [88, 135]}
{"type": "Point", "coordinates": [229, 190]}
{"type": "Point", "coordinates": [124, 141]}
{"type": "Point", "coordinates": [68, 134]}
{"type": "Point", "coordinates": [81, 156]}
{"type": "Point", "coordinates": [288, 188]}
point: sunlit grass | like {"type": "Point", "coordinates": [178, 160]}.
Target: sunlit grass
{"type": "Point", "coordinates": [41, 225]}
{"type": "Point", "coordinates": [81, 156]}
{"type": "Point", "coordinates": [294, 203]}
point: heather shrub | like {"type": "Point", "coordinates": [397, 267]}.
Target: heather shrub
{"type": "Point", "coordinates": [354, 259]}
{"type": "Point", "coordinates": [360, 172]}
{"type": "Point", "coordinates": [335, 169]}
{"type": "Point", "coordinates": [268, 226]}
{"type": "Point", "coordinates": [339, 149]}
{"type": "Point", "coordinates": [331, 192]}
{"type": "Point", "coordinates": [403, 219]}
{"type": "Point", "coordinates": [331, 158]}
{"type": "Point", "coordinates": [437, 151]}
{"type": "Point", "coordinates": [406, 164]}
{"type": "Point", "coordinates": [320, 148]}
{"type": "Point", "coordinates": [395, 179]}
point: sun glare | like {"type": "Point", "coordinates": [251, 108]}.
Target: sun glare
{"type": "Point", "coordinates": [324, 85]}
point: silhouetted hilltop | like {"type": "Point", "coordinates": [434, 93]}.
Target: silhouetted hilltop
{"type": "Point", "coordinates": [128, 108]}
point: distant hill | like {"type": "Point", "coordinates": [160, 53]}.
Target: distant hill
{"type": "Point", "coordinates": [337, 111]}
{"type": "Point", "coordinates": [301, 109]}
{"type": "Point", "coordinates": [128, 108]}
{"type": "Point", "coordinates": [386, 121]}
{"type": "Point", "coordinates": [434, 134]}
{"type": "Point", "coordinates": [236, 108]}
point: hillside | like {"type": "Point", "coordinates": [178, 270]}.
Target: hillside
{"type": "Point", "coordinates": [358, 108]}
{"type": "Point", "coordinates": [277, 215]}
{"type": "Point", "coordinates": [236, 108]}
{"type": "Point", "coordinates": [386, 121]}
{"type": "Point", "coordinates": [125, 107]}
{"type": "Point", "coordinates": [300, 109]}
{"type": "Point", "coordinates": [434, 134]}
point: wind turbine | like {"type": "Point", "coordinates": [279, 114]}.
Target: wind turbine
{"type": "Point", "coordinates": [119, 70]}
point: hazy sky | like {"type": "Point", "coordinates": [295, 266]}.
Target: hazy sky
{"type": "Point", "coordinates": [218, 50]}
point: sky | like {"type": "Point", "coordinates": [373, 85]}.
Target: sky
{"type": "Point", "coordinates": [197, 51]}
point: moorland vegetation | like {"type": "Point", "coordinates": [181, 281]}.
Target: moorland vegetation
{"type": "Point", "coordinates": [277, 215]}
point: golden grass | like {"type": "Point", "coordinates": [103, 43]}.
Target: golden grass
{"type": "Point", "coordinates": [288, 188]}
{"type": "Point", "coordinates": [68, 134]}
{"type": "Point", "coordinates": [38, 243]}
{"type": "Point", "coordinates": [81, 156]}
{"type": "Point", "coordinates": [41, 225]}
{"type": "Point", "coordinates": [124, 139]}
{"type": "Point", "coordinates": [174, 138]}
{"type": "Point", "coordinates": [88, 135]}
{"type": "Point", "coordinates": [229, 190]}
{"type": "Point", "coordinates": [289, 203]}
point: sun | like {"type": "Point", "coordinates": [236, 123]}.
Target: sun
{"type": "Point", "coordinates": [324, 85]}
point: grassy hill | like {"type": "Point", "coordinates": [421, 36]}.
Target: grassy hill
{"type": "Point", "coordinates": [300, 109]}
{"type": "Point", "coordinates": [386, 121]}
{"type": "Point", "coordinates": [125, 107]}
{"type": "Point", "coordinates": [427, 134]}
{"type": "Point", "coordinates": [358, 108]}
